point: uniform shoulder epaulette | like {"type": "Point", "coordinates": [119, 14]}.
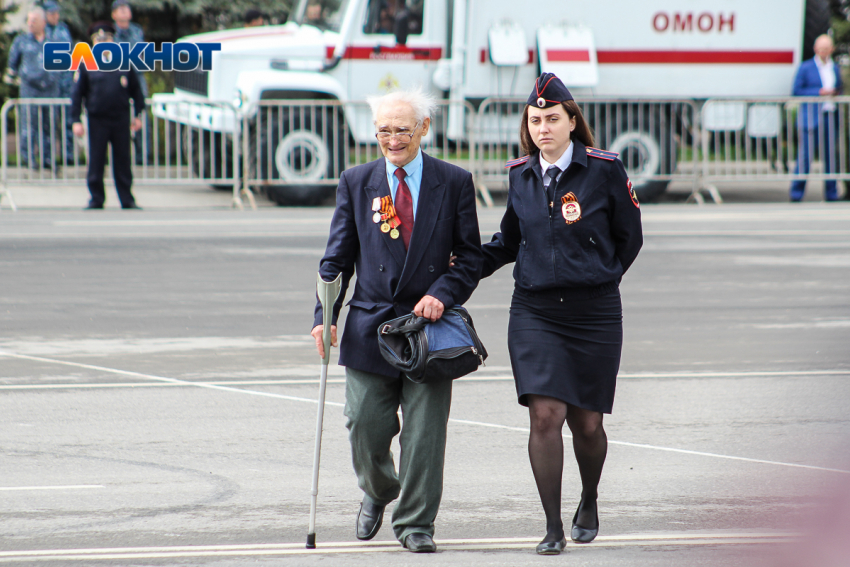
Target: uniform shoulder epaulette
{"type": "Point", "coordinates": [602, 154]}
{"type": "Point", "coordinates": [518, 161]}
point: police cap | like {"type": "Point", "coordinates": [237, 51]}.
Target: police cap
{"type": "Point", "coordinates": [548, 91]}
{"type": "Point", "coordinates": [51, 6]}
{"type": "Point", "coordinates": [99, 30]}
{"type": "Point", "coordinates": [119, 3]}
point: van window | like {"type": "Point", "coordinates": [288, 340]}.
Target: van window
{"type": "Point", "coordinates": [382, 16]}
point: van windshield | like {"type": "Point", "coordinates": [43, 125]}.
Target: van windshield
{"type": "Point", "coordinates": [323, 14]}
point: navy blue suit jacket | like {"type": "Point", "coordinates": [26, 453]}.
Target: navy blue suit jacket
{"type": "Point", "coordinates": [390, 281]}
{"type": "Point", "coordinates": [807, 83]}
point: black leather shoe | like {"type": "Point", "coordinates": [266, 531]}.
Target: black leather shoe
{"type": "Point", "coordinates": [369, 520]}
{"type": "Point", "coordinates": [580, 534]}
{"type": "Point", "coordinates": [551, 547]}
{"type": "Point", "coordinates": [420, 543]}
{"type": "Point", "coordinates": [92, 207]}
{"type": "Point", "coordinates": [133, 206]}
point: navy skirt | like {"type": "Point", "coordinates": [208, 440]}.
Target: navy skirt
{"type": "Point", "coordinates": [566, 344]}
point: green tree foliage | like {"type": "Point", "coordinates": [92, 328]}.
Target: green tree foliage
{"type": "Point", "coordinates": [168, 20]}
{"type": "Point", "coordinates": [6, 38]}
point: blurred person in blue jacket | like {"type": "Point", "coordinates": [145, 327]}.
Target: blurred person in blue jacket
{"type": "Point", "coordinates": [58, 31]}
{"type": "Point", "coordinates": [817, 123]}
{"type": "Point", "coordinates": [26, 64]}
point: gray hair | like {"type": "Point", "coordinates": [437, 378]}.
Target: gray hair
{"type": "Point", "coordinates": [424, 105]}
{"type": "Point", "coordinates": [38, 12]}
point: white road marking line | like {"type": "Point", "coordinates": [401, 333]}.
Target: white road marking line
{"type": "Point", "coordinates": [464, 422]}
{"type": "Point", "coordinates": [164, 379]}
{"type": "Point", "coordinates": [383, 546]}
{"type": "Point", "coordinates": [68, 487]}
{"type": "Point", "coordinates": [471, 378]}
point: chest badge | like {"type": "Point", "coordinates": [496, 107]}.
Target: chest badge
{"type": "Point", "coordinates": [570, 208]}
{"type": "Point", "coordinates": [123, 81]}
{"type": "Point", "coordinates": [385, 211]}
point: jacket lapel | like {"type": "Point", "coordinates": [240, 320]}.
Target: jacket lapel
{"type": "Point", "coordinates": [376, 186]}
{"type": "Point", "coordinates": [431, 193]}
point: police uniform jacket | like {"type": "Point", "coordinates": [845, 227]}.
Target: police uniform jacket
{"type": "Point", "coordinates": [26, 59]}
{"type": "Point", "coordinates": [107, 94]}
{"type": "Point", "coordinates": [550, 253]}
{"type": "Point", "coordinates": [390, 281]}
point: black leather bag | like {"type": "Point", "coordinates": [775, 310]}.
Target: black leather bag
{"type": "Point", "coordinates": [431, 352]}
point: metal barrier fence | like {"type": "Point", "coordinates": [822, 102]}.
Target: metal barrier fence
{"type": "Point", "coordinates": [44, 150]}
{"type": "Point", "coordinates": [296, 150]}
{"type": "Point", "coordinates": [770, 139]}
{"type": "Point", "coordinates": [655, 139]}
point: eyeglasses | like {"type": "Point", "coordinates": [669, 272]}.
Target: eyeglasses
{"type": "Point", "coordinates": [403, 137]}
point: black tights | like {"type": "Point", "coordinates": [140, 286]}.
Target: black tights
{"type": "Point", "coordinates": [546, 452]}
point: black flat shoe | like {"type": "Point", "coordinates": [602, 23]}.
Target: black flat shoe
{"type": "Point", "coordinates": [420, 543]}
{"type": "Point", "coordinates": [133, 206]}
{"type": "Point", "coordinates": [369, 520]}
{"type": "Point", "coordinates": [551, 547]}
{"type": "Point", "coordinates": [583, 535]}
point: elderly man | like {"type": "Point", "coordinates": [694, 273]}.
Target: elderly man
{"type": "Point", "coordinates": [58, 31]}
{"type": "Point", "coordinates": [26, 62]}
{"type": "Point", "coordinates": [397, 222]}
{"type": "Point", "coordinates": [817, 124]}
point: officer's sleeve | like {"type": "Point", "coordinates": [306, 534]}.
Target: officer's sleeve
{"type": "Point", "coordinates": [456, 285]}
{"type": "Point", "coordinates": [343, 247]}
{"type": "Point", "coordinates": [136, 92]}
{"type": "Point", "coordinates": [504, 246]}
{"type": "Point", "coordinates": [624, 216]}
{"type": "Point", "coordinates": [81, 89]}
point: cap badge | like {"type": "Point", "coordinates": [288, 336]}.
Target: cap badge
{"type": "Point", "coordinates": [541, 102]}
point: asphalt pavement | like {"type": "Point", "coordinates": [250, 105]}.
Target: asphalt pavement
{"type": "Point", "coordinates": [158, 394]}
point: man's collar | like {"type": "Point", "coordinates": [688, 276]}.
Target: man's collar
{"type": "Point", "coordinates": [410, 168]}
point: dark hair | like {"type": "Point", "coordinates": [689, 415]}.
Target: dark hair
{"type": "Point", "coordinates": [252, 14]}
{"type": "Point", "coordinates": [582, 132]}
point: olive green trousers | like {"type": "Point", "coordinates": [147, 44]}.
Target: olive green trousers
{"type": "Point", "coordinates": [371, 406]}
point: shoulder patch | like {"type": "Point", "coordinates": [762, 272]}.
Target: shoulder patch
{"type": "Point", "coordinates": [602, 154]}
{"type": "Point", "coordinates": [518, 161]}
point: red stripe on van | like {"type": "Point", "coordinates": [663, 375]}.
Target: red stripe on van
{"type": "Point", "coordinates": [704, 57]}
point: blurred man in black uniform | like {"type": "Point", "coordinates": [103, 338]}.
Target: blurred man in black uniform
{"type": "Point", "coordinates": [107, 95]}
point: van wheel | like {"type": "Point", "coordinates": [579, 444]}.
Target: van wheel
{"type": "Point", "coordinates": [300, 147]}
{"type": "Point", "coordinates": [203, 150]}
{"type": "Point", "coordinates": [642, 154]}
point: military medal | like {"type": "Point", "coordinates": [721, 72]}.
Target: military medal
{"type": "Point", "coordinates": [376, 218]}
{"type": "Point", "coordinates": [394, 224]}
{"type": "Point", "coordinates": [376, 204]}
{"type": "Point", "coordinates": [385, 227]}
{"type": "Point", "coordinates": [570, 208]}
{"type": "Point", "coordinates": [123, 81]}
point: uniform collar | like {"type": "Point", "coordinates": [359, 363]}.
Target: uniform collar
{"type": "Point", "coordinates": [579, 157]}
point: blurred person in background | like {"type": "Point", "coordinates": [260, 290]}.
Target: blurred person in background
{"type": "Point", "coordinates": [817, 124]}
{"type": "Point", "coordinates": [26, 64]}
{"type": "Point", "coordinates": [128, 32]}
{"type": "Point", "coordinates": [57, 31]}
{"type": "Point", "coordinates": [107, 99]}
{"type": "Point", "coordinates": [254, 18]}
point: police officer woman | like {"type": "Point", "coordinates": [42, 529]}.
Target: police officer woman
{"type": "Point", "coordinates": [572, 226]}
